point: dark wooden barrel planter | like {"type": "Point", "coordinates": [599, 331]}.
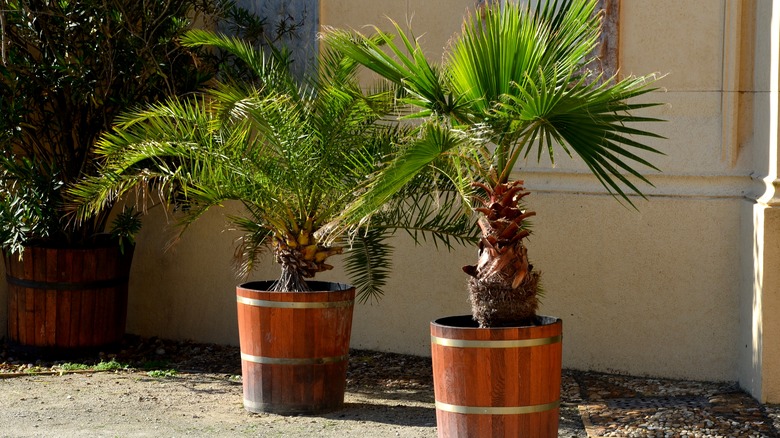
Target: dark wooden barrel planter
{"type": "Point", "coordinates": [64, 299]}
{"type": "Point", "coordinates": [496, 382]}
{"type": "Point", "coordinates": [294, 347]}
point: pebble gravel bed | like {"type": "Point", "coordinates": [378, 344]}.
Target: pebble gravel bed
{"type": "Point", "coordinates": [592, 404]}
{"type": "Point", "coordinates": [622, 406]}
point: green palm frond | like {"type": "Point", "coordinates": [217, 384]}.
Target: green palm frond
{"type": "Point", "coordinates": [443, 219]}
{"type": "Point", "coordinates": [251, 245]}
{"type": "Point", "coordinates": [294, 154]}
{"type": "Point", "coordinates": [518, 75]}
{"type": "Point", "coordinates": [368, 262]}
{"type": "Point", "coordinates": [433, 144]}
{"type": "Point", "coordinates": [588, 119]}
{"type": "Point", "coordinates": [405, 65]}
{"type": "Point", "coordinates": [148, 151]}
{"type": "Point", "coordinates": [269, 68]}
{"type": "Point", "coordinates": [440, 220]}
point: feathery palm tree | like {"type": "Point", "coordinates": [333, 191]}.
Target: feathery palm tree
{"type": "Point", "coordinates": [515, 84]}
{"type": "Point", "coordinates": [294, 152]}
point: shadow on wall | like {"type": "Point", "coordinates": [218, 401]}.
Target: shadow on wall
{"type": "Point", "coordinates": [293, 24]}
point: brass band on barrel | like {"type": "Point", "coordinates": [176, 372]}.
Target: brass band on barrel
{"type": "Point", "coordinates": [497, 410]}
{"type": "Point", "coordinates": [516, 343]}
{"type": "Point", "coordinates": [293, 360]}
{"type": "Point", "coordinates": [292, 304]}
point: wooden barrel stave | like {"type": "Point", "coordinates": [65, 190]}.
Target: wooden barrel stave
{"type": "Point", "coordinates": [294, 347]}
{"type": "Point", "coordinates": [488, 388]}
{"type": "Point", "coordinates": [62, 298]}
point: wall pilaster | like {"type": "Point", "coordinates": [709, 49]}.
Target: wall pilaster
{"type": "Point", "coordinates": [760, 303]}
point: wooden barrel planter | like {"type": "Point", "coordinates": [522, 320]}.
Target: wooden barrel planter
{"type": "Point", "coordinates": [496, 382]}
{"type": "Point", "coordinates": [64, 299]}
{"type": "Point", "coordinates": [294, 347]}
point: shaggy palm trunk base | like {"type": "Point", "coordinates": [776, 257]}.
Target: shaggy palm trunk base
{"type": "Point", "coordinates": [494, 303]}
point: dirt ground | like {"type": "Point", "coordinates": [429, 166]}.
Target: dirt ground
{"type": "Point", "coordinates": [388, 395]}
{"type": "Point", "coordinates": [133, 404]}
{"type": "Point", "coordinates": [128, 404]}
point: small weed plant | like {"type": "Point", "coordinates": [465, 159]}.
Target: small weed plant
{"type": "Point", "coordinates": [68, 366]}
{"type": "Point", "coordinates": [111, 365]}
{"type": "Point", "coordinates": [162, 374]}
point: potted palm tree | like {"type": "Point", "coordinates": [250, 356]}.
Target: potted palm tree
{"type": "Point", "coordinates": [294, 153]}
{"type": "Point", "coordinates": [67, 68]}
{"type": "Point", "coordinates": [514, 84]}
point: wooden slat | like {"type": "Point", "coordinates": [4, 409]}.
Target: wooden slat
{"type": "Point", "coordinates": [87, 314]}
{"type": "Point", "coordinates": [105, 268]}
{"type": "Point", "coordinates": [50, 318]}
{"type": "Point", "coordinates": [12, 268]}
{"type": "Point", "coordinates": [13, 313]}
{"type": "Point", "coordinates": [50, 329]}
{"type": "Point", "coordinates": [105, 299]}
{"type": "Point", "coordinates": [76, 275]}
{"type": "Point", "coordinates": [46, 311]}
{"type": "Point", "coordinates": [34, 303]}
{"type": "Point", "coordinates": [476, 374]}
{"type": "Point", "coordinates": [267, 331]}
{"type": "Point", "coordinates": [64, 269]}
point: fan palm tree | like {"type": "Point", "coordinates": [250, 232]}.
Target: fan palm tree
{"type": "Point", "coordinates": [294, 152]}
{"type": "Point", "coordinates": [515, 84]}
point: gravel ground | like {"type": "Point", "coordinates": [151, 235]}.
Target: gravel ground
{"type": "Point", "coordinates": [622, 406]}
{"type": "Point", "coordinates": [168, 388]}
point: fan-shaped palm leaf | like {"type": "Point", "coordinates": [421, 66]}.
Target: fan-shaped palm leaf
{"type": "Point", "coordinates": [514, 82]}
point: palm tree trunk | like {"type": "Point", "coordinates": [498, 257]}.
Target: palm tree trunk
{"type": "Point", "coordinates": [300, 262]}
{"type": "Point", "coordinates": [495, 302]}
{"type": "Point", "coordinates": [503, 288]}
{"type": "Point", "coordinates": [293, 278]}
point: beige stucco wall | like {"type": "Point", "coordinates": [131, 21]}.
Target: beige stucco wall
{"type": "Point", "coordinates": [187, 291]}
{"type": "Point", "coordinates": [654, 291]}
{"type": "Point", "coordinates": [649, 292]}
{"type": "Point", "coordinates": [669, 290]}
